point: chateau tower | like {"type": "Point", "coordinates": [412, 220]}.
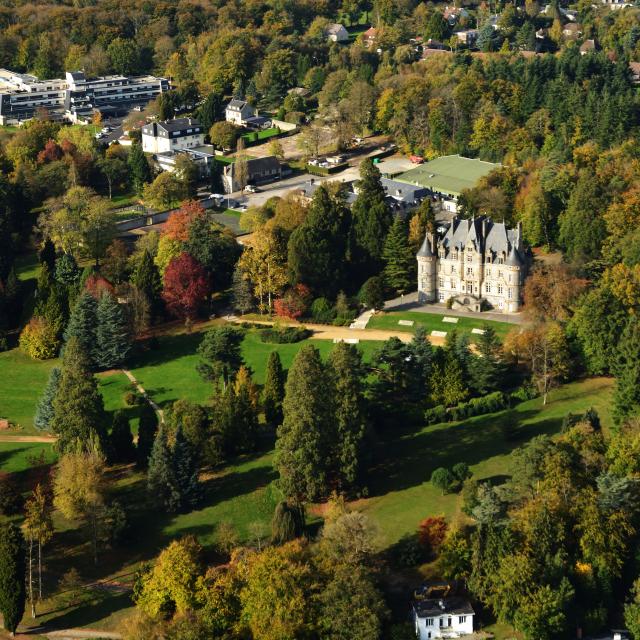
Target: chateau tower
{"type": "Point", "coordinates": [426, 257]}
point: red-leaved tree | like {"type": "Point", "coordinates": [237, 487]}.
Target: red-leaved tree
{"type": "Point", "coordinates": [294, 303]}
{"type": "Point", "coordinates": [186, 286]}
{"type": "Point", "coordinates": [51, 152]}
{"type": "Point", "coordinates": [178, 223]}
{"type": "Point", "coordinates": [432, 532]}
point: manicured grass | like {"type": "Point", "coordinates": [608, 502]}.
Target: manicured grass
{"type": "Point", "coordinates": [16, 457]}
{"type": "Point", "coordinates": [27, 266]}
{"type": "Point", "coordinates": [263, 134]}
{"type": "Point", "coordinates": [169, 371]}
{"type": "Point", "coordinates": [400, 488]}
{"type": "Point", "coordinates": [432, 321]}
{"type": "Point", "coordinates": [113, 387]}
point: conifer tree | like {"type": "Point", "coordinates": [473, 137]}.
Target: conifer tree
{"type": "Point", "coordinates": [112, 337]}
{"type": "Point", "coordinates": [454, 389]}
{"type": "Point", "coordinates": [488, 369]}
{"type": "Point", "coordinates": [245, 412]}
{"type": "Point", "coordinates": [78, 410]}
{"type": "Point", "coordinates": [273, 391]}
{"type": "Point", "coordinates": [48, 255]}
{"type": "Point", "coordinates": [302, 445]}
{"type": "Point", "coordinates": [399, 269]}
{"type": "Point", "coordinates": [146, 278]}
{"type": "Point", "coordinates": [241, 292]}
{"type": "Point", "coordinates": [67, 271]}
{"type": "Point", "coordinates": [346, 371]}
{"type": "Point", "coordinates": [185, 472]}
{"type": "Point", "coordinates": [12, 576]}
{"type": "Point", "coordinates": [147, 429]}
{"type": "Point", "coordinates": [139, 169]}
{"type": "Point", "coordinates": [82, 325]}
{"type": "Point", "coordinates": [44, 408]}
{"type": "Point", "coordinates": [121, 440]}
{"type": "Point", "coordinates": [626, 398]}
{"type": "Point", "coordinates": [161, 481]}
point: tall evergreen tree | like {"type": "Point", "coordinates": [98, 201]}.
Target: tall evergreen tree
{"type": "Point", "coordinates": [626, 398]}
{"type": "Point", "coordinates": [243, 300]}
{"type": "Point", "coordinates": [122, 449]}
{"type": "Point", "coordinates": [12, 576]}
{"type": "Point", "coordinates": [347, 374]}
{"type": "Point", "coordinates": [113, 341]}
{"type": "Point", "coordinates": [161, 481]}
{"type": "Point", "coordinates": [220, 353]}
{"type": "Point", "coordinates": [399, 268]}
{"type": "Point", "coordinates": [67, 271]}
{"type": "Point", "coordinates": [44, 408]}
{"type": "Point", "coordinates": [273, 391]}
{"type": "Point", "coordinates": [185, 472]}
{"type": "Point", "coordinates": [488, 369]}
{"type": "Point", "coordinates": [146, 278]}
{"type": "Point", "coordinates": [303, 439]}
{"type": "Point", "coordinates": [245, 411]}
{"type": "Point", "coordinates": [82, 325]}
{"type": "Point", "coordinates": [78, 410]}
{"type": "Point", "coordinates": [422, 361]}
{"type": "Point", "coordinates": [147, 429]}
{"type": "Point", "coordinates": [48, 255]}
{"type": "Point", "coordinates": [371, 219]}
{"type": "Point", "coordinates": [139, 169]}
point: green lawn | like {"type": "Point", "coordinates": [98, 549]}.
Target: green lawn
{"type": "Point", "coordinates": [432, 321]}
{"type": "Point", "coordinates": [27, 266]}
{"type": "Point", "coordinates": [16, 457]}
{"type": "Point", "coordinates": [400, 490]}
{"type": "Point", "coordinates": [263, 134]}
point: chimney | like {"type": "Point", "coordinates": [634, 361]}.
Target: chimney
{"type": "Point", "coordinates": [441, 604]}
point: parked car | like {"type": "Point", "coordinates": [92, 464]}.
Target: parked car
{"type": "Point", "coordinates": [106, 129]}
{"type": "Point", "coordinates": [251, 188]}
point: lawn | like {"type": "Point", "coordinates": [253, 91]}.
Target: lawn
{"type": "Point", "coordinates": [401, 494]}
{"type": "Point", "coordinates": [434, 322]}
{"type": "Point", "coordinates": [27, 266]}
{"type": "Point", "coordinates": [16, 457]}
{"type": "Point", "coordinates": [263, 134]}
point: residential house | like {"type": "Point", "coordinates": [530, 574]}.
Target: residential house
{"type": "Point", "coordinates": [369, 37]}
{"type": "Point", "coordinates": [474, 262]}
{"type": "Point", "coordinates": [468, 37]}
{"type": "Point", "coordinates": [634, 68]}
{"type": "Point", "coordinates": [572, 30]}
{"type": "Point", "coordinates": [588, 46]}
{"type": "Point", "coordinates": [439, 614]}
{"type": "Point", "coordinates": [616, 4]}
{"type": "Point", "coordinates": [453, 14]}
{"type": "Point", "coordinates": [239, 111]}
{"type": "Point", "coordinates": [172, 135]}
{"type": "Point", "coordinates": [259, 171]}
{"type": "Point", "coordinates": [336, 33]}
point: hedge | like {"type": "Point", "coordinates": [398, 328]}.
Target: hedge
{"type": "Point", "coordinates": [284, 335]}
{"type": "Point", "coordinates": [326, 171]}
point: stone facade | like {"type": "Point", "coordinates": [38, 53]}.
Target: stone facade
{"type": "Point", "coordinates": [476, 263]}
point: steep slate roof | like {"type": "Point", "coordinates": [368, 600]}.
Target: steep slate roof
{"type": "Point", "coordinates": [425, 249]}
{"type": "Point", "coordinates": [236, 104]}
{"type": "Point", "coordinates": [334, 29]}
{"type": "Point", "coordinates": [178, 124]}
{"type": "Point", "coordinates": [450, 606]}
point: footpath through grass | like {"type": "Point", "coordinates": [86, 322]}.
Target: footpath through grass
{"type": "Point", "coordinates": [434, 322]}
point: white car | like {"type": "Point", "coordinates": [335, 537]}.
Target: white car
{"type": "Point", "coordinates": [250, 188]}
{"type": "Point", "coordinates": [106, 129]}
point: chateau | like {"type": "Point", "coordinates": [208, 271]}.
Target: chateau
{"type": "Point", "coordinates": [475, 263]}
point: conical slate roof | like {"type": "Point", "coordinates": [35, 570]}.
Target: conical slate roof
{"type": "Point", "coordinates": [425, 249]}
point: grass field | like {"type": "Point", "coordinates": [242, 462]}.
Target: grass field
{"type": "Point", "coordinates": [432, 321]}
{"type": "Point", "coordinates": [262, 135]}
{"type": "Point", "coordinates": [16, 457]}
{"type": "Point", "coordinates": [27, 266]}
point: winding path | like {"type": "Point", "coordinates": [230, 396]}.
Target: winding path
{"type": "Point", "coordinates": [145, 395]}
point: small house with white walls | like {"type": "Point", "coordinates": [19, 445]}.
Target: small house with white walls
{"type": "Point", "coordinates": [239, 111]}
{"type": "Point", "coordinates": [337, 33]}
{"type": "Point", "coordinates": [172, 135]}
{"type": "Point", "coordinates": [448, 617]}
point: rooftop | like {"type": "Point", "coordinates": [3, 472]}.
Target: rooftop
{"type": "Point", "coordinates": [450, 175]}
{"type": "Point", "coordinates": [446, 606]}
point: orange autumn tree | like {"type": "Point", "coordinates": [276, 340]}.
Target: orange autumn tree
{"type": "Point", "coordinates": [432, 532]}
{"type": "Point", "coordinates": [178, 223]}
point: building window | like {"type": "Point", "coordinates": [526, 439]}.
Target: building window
{"type": "Point", "coordinates": [462, 619]}
{"type": "Point", "coordinates": [509, 293]}
{"type": "Point", "coordinates": [441, 282]}
{"type": "Point", "coordinates": [499, 274]}
{"type": "Point", "coordinates": [499, 289]}
{"type": "Point", "coordinates": [488, 287]}
{"type": "Point", "coordinates": [453, 283]}
{"type": "Point", "coordinates": [429, 622]}
{"type": "Point", "coordinates": [469, 271]}
{"type": "Point", "coordinates": [469, 257]}
{"type": "Point", "coordinates": [441, 297]}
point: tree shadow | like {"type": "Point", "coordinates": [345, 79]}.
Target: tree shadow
{"type": "Point", "coordinates": [98, 608]}
{"type": "Point", "coordinates": [169, 347]}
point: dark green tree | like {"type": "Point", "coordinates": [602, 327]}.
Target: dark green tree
{"type": "Point", "coordinates": [147, 429]}
{"type": "Point", "coordinates": [487, 370]}
{"type": "Point", "coordinates": [12, 576]}
{"type": "Point", "coordinates": [371, 294]}
{"type": "Point", "coordinates": [287, 523]}
{"type": "Point", "coordinates": [347, 375]}
{"type": "Point", "coordinates": [139, 169]}
{"type": "Point", "coordinates": [83, 324]}
{"type": "Point", "coordinates": [304, 437]}
{"type": "Point", "coordinates": [113, 341]}
{"type": "Point", "coordinates": [185, 472]}
{"type": "Point", "coordinates": [44, 408]}
{"type": "Point", "coordinates": [399, 260]}
{"type": "Point", "coordinates": [161, 481]}
{"type": "Point", "coordinates": [220, 354]}
{"type": "Point", "coordinates": [146, 279]}
{"type": "Point", "coordinates": [78, 409]}
{"type": "Point", "coordinates": [192, 418]}
{"type": "Point", "coordinates": [442, 479]}
{"type": "Point", "coordinates": [121, 440]}
{"type": "Point", "coordinates": [626, 398]}
{"type": "Point", "coordinates": [273, 391]}
{"type": "Point", "coordinates": [67, 271]}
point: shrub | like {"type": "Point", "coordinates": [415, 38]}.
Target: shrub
{"type": "Point", "coordinates": [436, 414]}
{"type": "Point", "coordinates": [284, 335]}
{"type": "Point", "coordinates": [322, 311]}
{"type": "Point", "coordinates": [431, 533]}
{"type": "Point", "coordinates": [293, 303]}
{"type": "Point", "coordinates": [461, 471]}
{"type": "Point", "coordinates": [522, 394]}
{"type": "Point", "coordinates": [490, 403]}
{"type": "Point", "coordinates": [132, 399]}
{"type": "Point", "coordinates": [449, 303]}
{"type": "Point", "coordinates": [442, 479]}
{"type": "Point", "coordinates": [39, 340]}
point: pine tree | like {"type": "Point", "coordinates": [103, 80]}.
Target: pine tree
{"type": "Point", "coordinates": [44, 409]}
{"type": "Point", "coordinates": [245, 412]}
{"type": "Point", "coordinates": [185, 472]}
{"type": "Point", "coordinates": [82, 325]}
{"type": "Point", "coordinates": [273, 391]}
{"type": "Point", "coordinates": [241, 291]}
{"type": "Point", "coordinates": [488, 369]}
{"type": "Point", "coordinates": [121, 440]}
{"type": "Point", "coordinates": [78, 410]}
{"type": "Point", "coordinates": [43, 287]}
{"type": "Point", "coordinates": [146, 279]}
{"type": "Point", "coordinates": [113, 341]}
{"type": "Point", "coordinates": [48, 255]}
{"type": "Point", "coordinates": [12, 576]}
{"type": "Point", "coordinates": [399, 269]}
{"type": "Point", "coordinates": [347, 374]}
{"type": "Point", "coordinates": [147, 429]}
{"type": "Point", "coordinates": [138, 167]}
{"type": "Point", "coordinates": [302, 445]}
{"type": "Point", "coordinates": [454, 389]}
{"type": "Point", "coordinates": [67, 271]}
{"type": "Point", "coordinates": [626, 398]}
{"type": "Point", "coordinates": [161, 481]}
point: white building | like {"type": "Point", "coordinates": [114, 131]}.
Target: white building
{"type": "Point", "coordinates": [239, 111]}
{"type": "Point", "coordinates": [337, 33]}
{"type": "Point", "coordinates": [473, 262]}
{"type": "Point", "coordinates": [443, 618]}
{"type": "Point", "coordinates": [172, 135]}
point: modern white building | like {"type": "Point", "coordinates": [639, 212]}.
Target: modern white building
{"type": "Point", "coordinates": [450, 617]}
{"type": "Point", "coordinates": [172, 135]}
{"type": "Point", "coordinates": [74, 97]}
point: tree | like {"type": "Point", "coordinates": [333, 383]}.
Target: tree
{"type": "Point", "coordinates": [79, 490]}
{"type": "Point", "coordinates": [632, 611]}
{"type": "Point", "coordinates": [432, 532]}
{"type": "Point", "coordinates": [550, 291]}
{"type": "Point", "coordinates": [371, 219]}
{"type": "Point", "coordinates": [224, 135]}
{"type": "Point", "coordinates": [303, 437]}
{"type": "Point", "coordinates": [114, 170]}
{"type": "Point", "coordinates": [78, 410]}
{"type": "Point", "coordinates": [186, 286]}
{"type": "Point", "coordinates": [287, 523]}
{"type": "Point", "coordinates": [220, 353]}
{"type": "Point", "coordinates": [138, 167]}
{"type": "Point", "coordinates": [626, 398]}
{"type": "Point", "coordinates": [399, 269]}
{"type": "Point", "coordinates": [147, 280]}
{"type": "Point", "coordinates": [161, 481]}
{"type": "Point", "coordinates": [82, 325]}
{"type": "Point", "coordinates": [121, 438]}
{"type": "Point", "coordinates": [165, 192]}
{"type": "Point", "coordinates": [44, 408]}
{"type": "Point", "coordinates": [12, 576]}
{"type": "Point", "coordinates": [241, 292]}
{"type": "Point", "coordinates": [273, 391]}
{"type": "Point", "coordinates": [38, 339]}
{"type": "Point", "coordinates": [38, 529]}
{"type": "Point", "coordinates": [147, 429]}
{"type": "Point", "coordinates": [185, 472]}
{"type": "Point", "coordinates": [113, 342]}
{"type": "Point", "coordinates": [371, 294]}
{"type": "Point", "coordinates": [349, 539]}
{"type": "Point", "coordinates": [124, 55]}
{"type": "Point", "coordinates": [487, 368]}
{"type": "Point", "coordinates": [188, 173]}
{"type": "Point", "coordinates": [442, 479]}
{"type": "Point", "coordinates": [179, 222]}
{"type": "Point", "coordinates": [347, 375]}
